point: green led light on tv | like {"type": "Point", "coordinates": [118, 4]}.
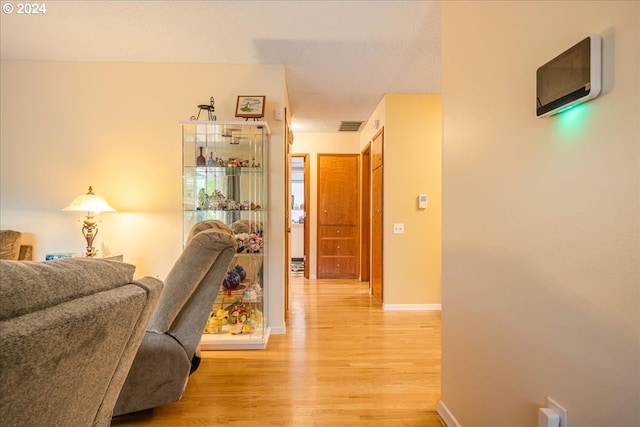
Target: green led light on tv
{"type": "Point", "coordinates": [571, 122]}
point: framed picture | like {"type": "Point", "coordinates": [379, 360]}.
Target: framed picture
{"type": "Point", "coordinates": [250, 107]}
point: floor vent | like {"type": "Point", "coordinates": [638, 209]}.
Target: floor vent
{"type": "Point", "coordinates": [347, 126]}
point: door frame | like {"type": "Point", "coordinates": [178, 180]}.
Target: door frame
{"type": "Point", "coordinates": [307, 196]}
{"type": "Point", "coordinates": [288, 142]}
{"type": "Point", "coordinates": [365, 220]}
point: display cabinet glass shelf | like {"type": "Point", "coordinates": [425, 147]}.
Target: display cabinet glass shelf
{"type": "Point", "coordinates": [224, 178]}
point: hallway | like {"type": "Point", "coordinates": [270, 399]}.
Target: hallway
{"type": "Point", "coordinates": [343, 362]}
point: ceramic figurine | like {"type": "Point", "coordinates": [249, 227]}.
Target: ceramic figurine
{"type": "Point", "coordinates": [202, 199]}
{"type": "Point", "coordinates": [217, 321]}
{"type": "Point", "coordinates": [217, 200]}
{"type": "Point", "coordinates": [232, 280]}
{"type": "Point", "coordinates": [241, 271]}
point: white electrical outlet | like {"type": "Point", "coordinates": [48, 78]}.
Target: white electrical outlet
{"type": "Point", "coordinates": [398, 228]}
{"type": "Point", "coordinates": [558, 409]}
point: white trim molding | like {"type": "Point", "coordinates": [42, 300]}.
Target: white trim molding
{"type": "Point", "coordinates": [278, 330]}
{"type": "Point", "coordinates": [412, 307]}
{"type": "Point", "coordinates": [446, 415]}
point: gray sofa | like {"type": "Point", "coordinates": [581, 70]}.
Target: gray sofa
{"type": "Point", "coordinates": [69, 331]}
{"type": "Point", "coordinates": [163, 364]}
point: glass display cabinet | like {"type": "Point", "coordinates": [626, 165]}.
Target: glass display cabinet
{"type": "Point", "coordinates": [224, 178]}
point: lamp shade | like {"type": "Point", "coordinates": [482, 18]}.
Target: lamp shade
{"type": "Point", "coordinates": [89, 203]}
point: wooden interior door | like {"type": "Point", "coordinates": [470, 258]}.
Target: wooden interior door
{"type": "Point", "coordinates": [338, 216]}
{"type": "Point", "coordinates": [376, 233]}
{"type": "Point", "coordinates": [377, 203]}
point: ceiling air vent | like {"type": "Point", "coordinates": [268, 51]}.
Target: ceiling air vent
{"type": "Point", "coordinates": [347, 126]}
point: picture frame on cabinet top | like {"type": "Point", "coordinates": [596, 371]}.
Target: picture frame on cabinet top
{"type": "Point", "coordinates": [250, 106]}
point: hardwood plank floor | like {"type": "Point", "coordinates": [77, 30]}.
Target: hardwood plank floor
{"type": "Point", "coordinates": [343, 362]}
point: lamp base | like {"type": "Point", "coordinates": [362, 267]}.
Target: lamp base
{"type": "Point", "coordinates": [91, 253]}
{"type": "Point", "coordinates": [89, 231]}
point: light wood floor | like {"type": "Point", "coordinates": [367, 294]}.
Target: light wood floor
{"type": "Point", "coordinates": [343, 362]}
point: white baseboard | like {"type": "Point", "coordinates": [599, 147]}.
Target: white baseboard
{"type": "Point", "coordinates": [411, 307]}
{"type": "Point", "coordinates": [278, 330]}
{"type": "Point", "coordinates": [447, 416]}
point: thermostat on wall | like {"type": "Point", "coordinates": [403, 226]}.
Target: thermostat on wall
{"type": "Point", "coordinates": [423, 200]}
{"type": "Point", "coordinates": [573, 77]}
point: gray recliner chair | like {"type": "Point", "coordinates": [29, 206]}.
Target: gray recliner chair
{"type": "Point", "coordinates": [69, 331]}
{"type": "Point", "coordinates": [163, 363]}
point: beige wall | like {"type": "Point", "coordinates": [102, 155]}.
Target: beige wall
{"type": "Point", "coordinates": [540, 285]}
{"type": "Point", "coordinates": [314, 144]}
{"type": "Point", "coordinates": [412, 166]}
{"type": "Point", "coordinates": [68, 125]}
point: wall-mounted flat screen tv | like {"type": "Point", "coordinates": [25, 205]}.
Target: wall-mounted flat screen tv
{"type": "Point", "coordinates": [570, 78]}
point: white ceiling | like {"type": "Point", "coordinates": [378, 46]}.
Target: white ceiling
{"type": "Point", "coordinates": [340, 57]}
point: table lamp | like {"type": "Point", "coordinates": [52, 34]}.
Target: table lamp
{"type": "Point", "coordinates": [92, 204]}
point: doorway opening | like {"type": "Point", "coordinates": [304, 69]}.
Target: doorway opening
{"type": "Point", "coordinates": [299, 242]}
